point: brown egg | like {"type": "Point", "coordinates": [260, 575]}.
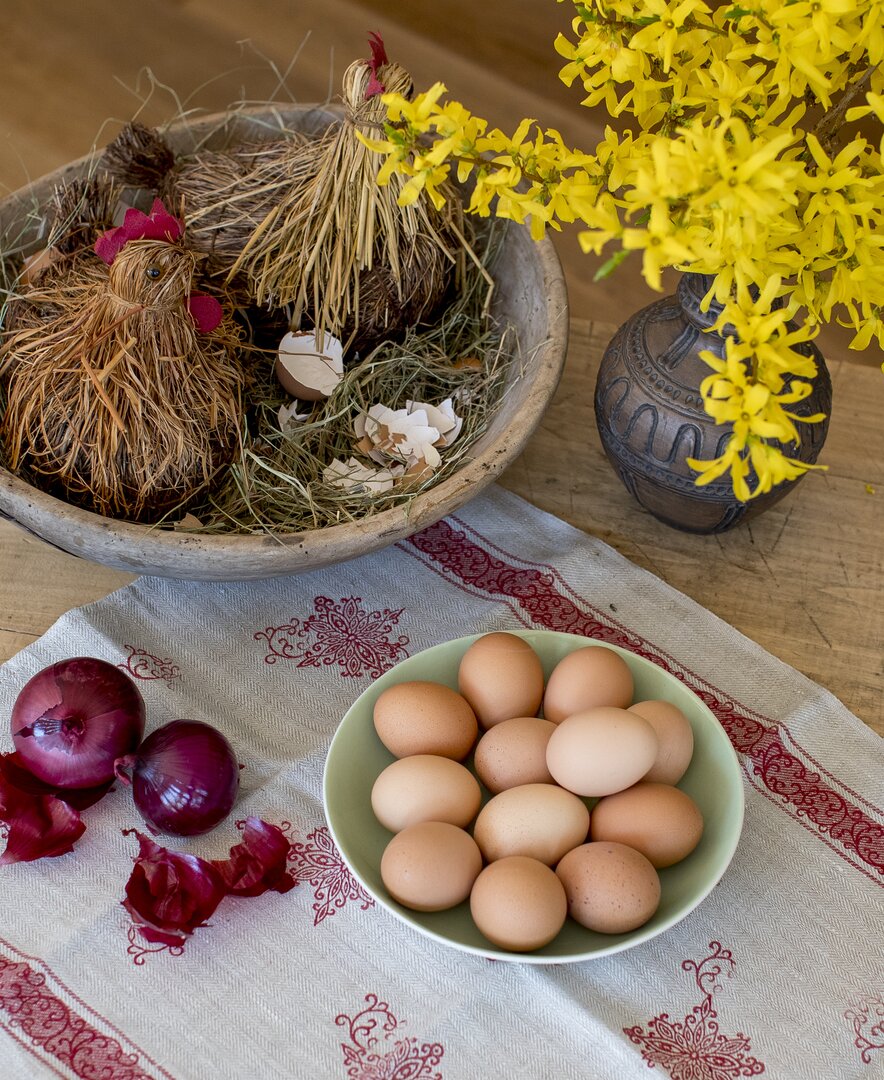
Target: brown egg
{"type": "Point", "coordinates": [661, 821]}
{"type": "Point", "coordinates": [430, 866]}
{"type": "Point", "coordinates": [501, 676]}
{"type": "Point", "coordinates": [675, 739]}
{"type": "Point", "coordinates": [424, 787]}
{"type": "Point", "coordinates": [518, 904]}
{"type": "Point", "coordinates": [425, 718]}
{"type": "Point", "coordinates": [513, 752]}
{"type": "Point", "coordinates": [587, 678]}
{"type": "Point", "coordinates": [541, 821]}
{"type": "Point", "coordinates": [601, 751]}
{"type": "Point", "coordinates": [611, 888]}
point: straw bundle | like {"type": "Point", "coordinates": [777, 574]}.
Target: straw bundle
{"type": "Point", "coordinates": [336, 245]}
{"type": "Point", "coordinates": [114, 399]}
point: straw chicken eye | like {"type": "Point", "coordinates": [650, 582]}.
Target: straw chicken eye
{"type": "Point", "coordinates": [153, 272]}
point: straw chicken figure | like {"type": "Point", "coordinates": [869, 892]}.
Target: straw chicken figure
{"type": "Point", "coordinates": [307, 227]}
{"type": "Point", "coordinates": [123, 385]}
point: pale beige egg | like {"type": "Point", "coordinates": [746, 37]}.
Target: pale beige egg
{"type": "Point", "coordinates": [675, 739]}
{"type": "Point", "coordinates": [425, 718]}
{"type": "Point", "coordinates": [540, 821]}
{"type": "Point", "coordinates": [611, 888]}
{"type": "Point", "coordinates": [513, 752]}
{"type": "Point", "coordinates": [501, 676]}
{"type": "Point", "coordinates": [661, 821]}
{"type": "Point", "coordinates": [585, 679]}
{"type": "Point", "coordinates": [424, 787]}
{"type": "Point", "coordinates": [518, 903]}
{"type": "Point", "coordinates": [600, 751]}
{"type": "Point", "coordinates": [430, 866]}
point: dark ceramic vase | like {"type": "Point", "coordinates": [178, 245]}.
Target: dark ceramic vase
{"type": "Point", "coordinates": [650, 415]}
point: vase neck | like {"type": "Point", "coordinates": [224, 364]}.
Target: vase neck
{"type": "Point", "coordinates": [691, 290]}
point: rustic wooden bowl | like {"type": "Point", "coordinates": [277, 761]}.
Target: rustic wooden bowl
{"type": "Point", "coordinates": [530, 294]}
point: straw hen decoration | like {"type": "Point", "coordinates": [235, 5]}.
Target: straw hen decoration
{"type": "Point", "coordinates": [122, 382]}
{"type": "Point", "coordinates": [301, 223]}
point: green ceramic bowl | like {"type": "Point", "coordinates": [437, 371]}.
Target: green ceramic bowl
{"type": "Point", "coordinates": [357, 756]}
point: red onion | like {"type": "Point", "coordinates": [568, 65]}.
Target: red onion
{"type": "Point", "coordinates": [184, 777]}
{"type": "Point", "coordinates": [73, 719]}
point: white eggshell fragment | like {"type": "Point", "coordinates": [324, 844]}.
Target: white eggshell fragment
{"type": "Point", "coordinates": [306, 370]}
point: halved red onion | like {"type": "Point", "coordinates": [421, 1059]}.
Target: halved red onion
{"type": "Point", "coordinates": [73, 719]}
{"type": "Point", "coordinates": [184, 777]}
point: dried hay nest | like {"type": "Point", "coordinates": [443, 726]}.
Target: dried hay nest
{"type": "Point", "coordinates": [113, 397]}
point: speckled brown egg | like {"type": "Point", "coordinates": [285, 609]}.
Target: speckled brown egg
{"type": "Point", "coordinates": [424, 787]}
{"type": "Point", "coordinates": [425, 718]}
{"type": "Point", "coordinates": [661, 821]}
{"type": "Point", "coordinates": [600, 751]}
{"type": "Point", "coordinates": [513, 752]}
{"type": "Point", "coordinates": [430, 866]}
{"type": "Point", "coordinates": [541, 821]}
{"type": "Point", "coordinates": [611, 888]}
{"type": "Point", "coordinates": [585, 679]}
{"type": "Point", "coordinates": [675, 740]}
{"type": "Point", "coordinates": [518, 904]}
{"type": "Point", "coordinates": [501, 676]}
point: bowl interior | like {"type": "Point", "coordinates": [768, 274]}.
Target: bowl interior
{"type": "Point", "coordinates": [356, 756]}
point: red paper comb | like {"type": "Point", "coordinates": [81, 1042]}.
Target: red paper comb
{"type": "Point", "coordinates": [378, 58]}
{"type": "Point", "coordinates": [158, 225]}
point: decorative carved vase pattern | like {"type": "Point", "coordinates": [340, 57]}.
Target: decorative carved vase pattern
{"type": "Point", "coordinates": [650, 414]}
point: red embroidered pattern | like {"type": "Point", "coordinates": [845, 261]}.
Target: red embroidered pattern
{"type": "Point", "coordinates": [139, 949]}
{"type": "Point", "coordinates": [52, 1030]}
{"type": "Point", "coordinates": [798, 789]}
{"type": "Point", "coordinates": [143, 665]}
{"type": "Point", "coordinates": [319, 863]}
{"type": "Point", "coordinates": [867, 1018]}
{"type": "Point", "coordinates": [357, 641]}
{"type": "Point", "coordinates": [374, 1054]}
{"type": "Point", "coordinates": [695, 1049]}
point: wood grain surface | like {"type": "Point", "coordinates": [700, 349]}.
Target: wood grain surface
{"type": "Point", "coordinates": [805, 580]}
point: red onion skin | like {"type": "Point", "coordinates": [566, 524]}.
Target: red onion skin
{"type": "Point", "coordinates": [73, 719]}
{"type": "Point", "coordinates": [185, 778]}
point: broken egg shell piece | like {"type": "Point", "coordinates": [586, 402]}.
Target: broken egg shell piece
{"type": "Point", "coordinates": [307, 371]}
{"type": "Point", "coordinates": [289, 418]}
{"type": "Point", "coordinates": [402, 435]}
{"type": "Point", "coordinates": [442, 417]}
{"type": "Point", "coordinates": [353, 476]}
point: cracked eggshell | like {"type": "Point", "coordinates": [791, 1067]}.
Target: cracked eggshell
{"type": "Point", "coordinates": [304, 370]}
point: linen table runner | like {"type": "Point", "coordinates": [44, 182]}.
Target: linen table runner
{"type": "Point", "coordinates": [779, 972]}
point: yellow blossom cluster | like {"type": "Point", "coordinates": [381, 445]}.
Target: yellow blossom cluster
{"type": "Point", "coordinates": [738, 167]}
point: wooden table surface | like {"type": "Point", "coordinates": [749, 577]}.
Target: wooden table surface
{"type": "Point", "coordinates": [805, 580]}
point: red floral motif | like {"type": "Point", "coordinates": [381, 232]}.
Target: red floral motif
{"type": "Point", "coordinates": [867, 1017]}
{"type": "Point", "coordinates": [144, 665]}
{"type": "Point", "coordinates": [139, 949]}
{"type": "Point", "coordinates": [357, 641]}
{"type": "Point", "coordinates": [374, 1054]}
{"type": "Point", "coordinates": [538, 597]}
{"type": "Point", "coordinates": [695, 1049]}
{"type": "Point", "coordinates": [319, 863]}
{"type": "Point", "coordinates": [55, 1034]}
